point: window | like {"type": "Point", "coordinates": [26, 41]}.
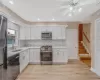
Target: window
{"type": "Point", "coordinates": [11, 37]}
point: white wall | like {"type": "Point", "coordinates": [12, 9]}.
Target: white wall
{"type": "Point", "coordinates": [72, 40]}
{"type": "Point", "coordinates": [95, 62]}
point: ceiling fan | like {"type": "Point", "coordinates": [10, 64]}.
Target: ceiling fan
{"type": "Point", "coordinates": [70, 7]}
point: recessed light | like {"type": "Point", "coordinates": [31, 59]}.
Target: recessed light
{"type": "Point", "coordinates": [11, 2]}
{"type": "Point", "coordinates": [69, 14]}
{"type": "Point", "coordinates": [53, 19]}
{"type": "Point", "coordinates": [80, 9]}
{"type": "Point", "coordinates": [38, 19]}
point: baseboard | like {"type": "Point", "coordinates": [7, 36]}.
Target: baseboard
{"type": "Point", "coordinates": [35, 63]}
{"type": "Point", "coordinates": [94, 71]}
{"type": "Point", "coordinates": [85, 47]}
{"type": "Point", "coordinates": [60, 63]}
{"type": "Point", "coordinates": [77, 57]}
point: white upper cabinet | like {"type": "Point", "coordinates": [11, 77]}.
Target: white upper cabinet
{"type": "Point", "coordinates": [22, 33]}
{"type": "Point", "coordinates": [58, 32]}
{"type": "Point", "coordinates": [25, 33]}
{"type": "Point", "coordinates": [63, 32]}
{"type": "Point", "coordinates": [36, 32]}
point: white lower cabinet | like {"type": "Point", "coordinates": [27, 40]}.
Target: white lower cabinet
{"type": "Point", "coordinates": [34, 56]}
{"type": "Point", "coordinates": [60, 56]}
{"type": "Point", "coordinates": [24, 59]}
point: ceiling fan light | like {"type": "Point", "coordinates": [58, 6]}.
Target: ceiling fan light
{"type": "Point", "coordinates": [11, 2]}
{"type": "Point", "coordinates": [69, 14]}
{"type": "Point", "coordinates": [71, 8]}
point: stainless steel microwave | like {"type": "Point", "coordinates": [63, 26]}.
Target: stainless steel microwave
{"type": "Point", "coordinates": [46, 35]}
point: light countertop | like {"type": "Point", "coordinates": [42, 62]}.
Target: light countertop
{"type": "Point", "coordinates": [11, 53]}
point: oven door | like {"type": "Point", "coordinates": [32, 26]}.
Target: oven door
{"type": "Point", "coordinates": [46, 57]}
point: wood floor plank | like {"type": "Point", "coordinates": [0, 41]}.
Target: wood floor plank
{"type": "Point", "coordinates": [73, 70]}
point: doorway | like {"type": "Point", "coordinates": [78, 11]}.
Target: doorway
{"type": "Point", "coordinates": [84, 43]}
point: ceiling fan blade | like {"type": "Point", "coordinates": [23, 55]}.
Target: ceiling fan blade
{"type": "Point", "coordinates": [87, 2]}
{"type": "Point", "coordinates": [62, 7]}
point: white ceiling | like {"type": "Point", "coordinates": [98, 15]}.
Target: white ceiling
{"type": "Point", "coordinates": [46, 10]}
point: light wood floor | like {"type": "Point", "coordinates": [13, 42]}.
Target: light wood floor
{"type": "Point", "coordinates": [87, 62]}
{"type": "Point", "coordinates": [74, 70]}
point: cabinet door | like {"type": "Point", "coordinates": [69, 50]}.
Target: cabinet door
{"type": "Point", "coordinates": [55, 56]}
{"type": "Point", "coordinates": [56, 32]}
{"type": "Point", "coordinates": [36, 32]}
{"type": "Point", "coordinates": [31, 55]}
{"type": "Point", "coordinates": [26, 54]}
{"type": "Point", "coordinates": [63, 56]}
{"type": "Point", "coordinates": [27, 33]}
{"type": "Point", "coordinates": [35, 56]}
{"type": "Point", "coordinates": [21, 62]}
{"type": "Point", "coordinates": [22, 33]}
{"type": "Point", "coordinates": [60, 56]}
{"type": "Point", "coordinates": [24, 60]}
{"type": "Point", "coordinates": [63, 33]}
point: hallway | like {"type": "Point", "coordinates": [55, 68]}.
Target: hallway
{"type": "Point", "coordinates": [74, 70]}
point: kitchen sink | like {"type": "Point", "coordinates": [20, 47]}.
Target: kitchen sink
{"type": "Point", "coordinates": [17, 50]}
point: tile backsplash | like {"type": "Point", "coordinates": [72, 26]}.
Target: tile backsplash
{"type": "Point", "coordinates": [29, 43]}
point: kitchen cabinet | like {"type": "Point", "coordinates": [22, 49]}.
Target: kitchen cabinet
{"type": "Point", "coordinates": [35, 32]}
{"type": "Point", "coordinates": [60, 56]}
{"type": "Point", "coordinates": [63, 32]}
{"type": "Point", "coordinates": [24, 59]}
{"type": "Point", "coordinates": [22, 33]}
{"type": "Point", "coordinates": [25, 33]}
{"type": "Point", "coordinates": [35, 56]}
{"type": "Point", "coordinates": [56, 32]}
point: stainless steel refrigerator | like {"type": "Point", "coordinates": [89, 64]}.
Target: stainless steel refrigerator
{"type": "Point", "coordinates": [3, 46]}
{"type": "Point", "coordinates": [3, 41]}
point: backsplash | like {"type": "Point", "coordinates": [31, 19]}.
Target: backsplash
{"type": "Point", "coordinates": [37, 43]}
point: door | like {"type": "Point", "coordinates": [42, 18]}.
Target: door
{"type": "Point", "coordinates": [72, 43]}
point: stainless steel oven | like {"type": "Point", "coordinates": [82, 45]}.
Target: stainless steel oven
{"type": "Point", "coordinates": [46, 55]}
{"type": "Point", "coordinates": [46, 35]}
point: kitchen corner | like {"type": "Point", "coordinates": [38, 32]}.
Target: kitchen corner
{"type": "Point", "coordinates": [28, 49]}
